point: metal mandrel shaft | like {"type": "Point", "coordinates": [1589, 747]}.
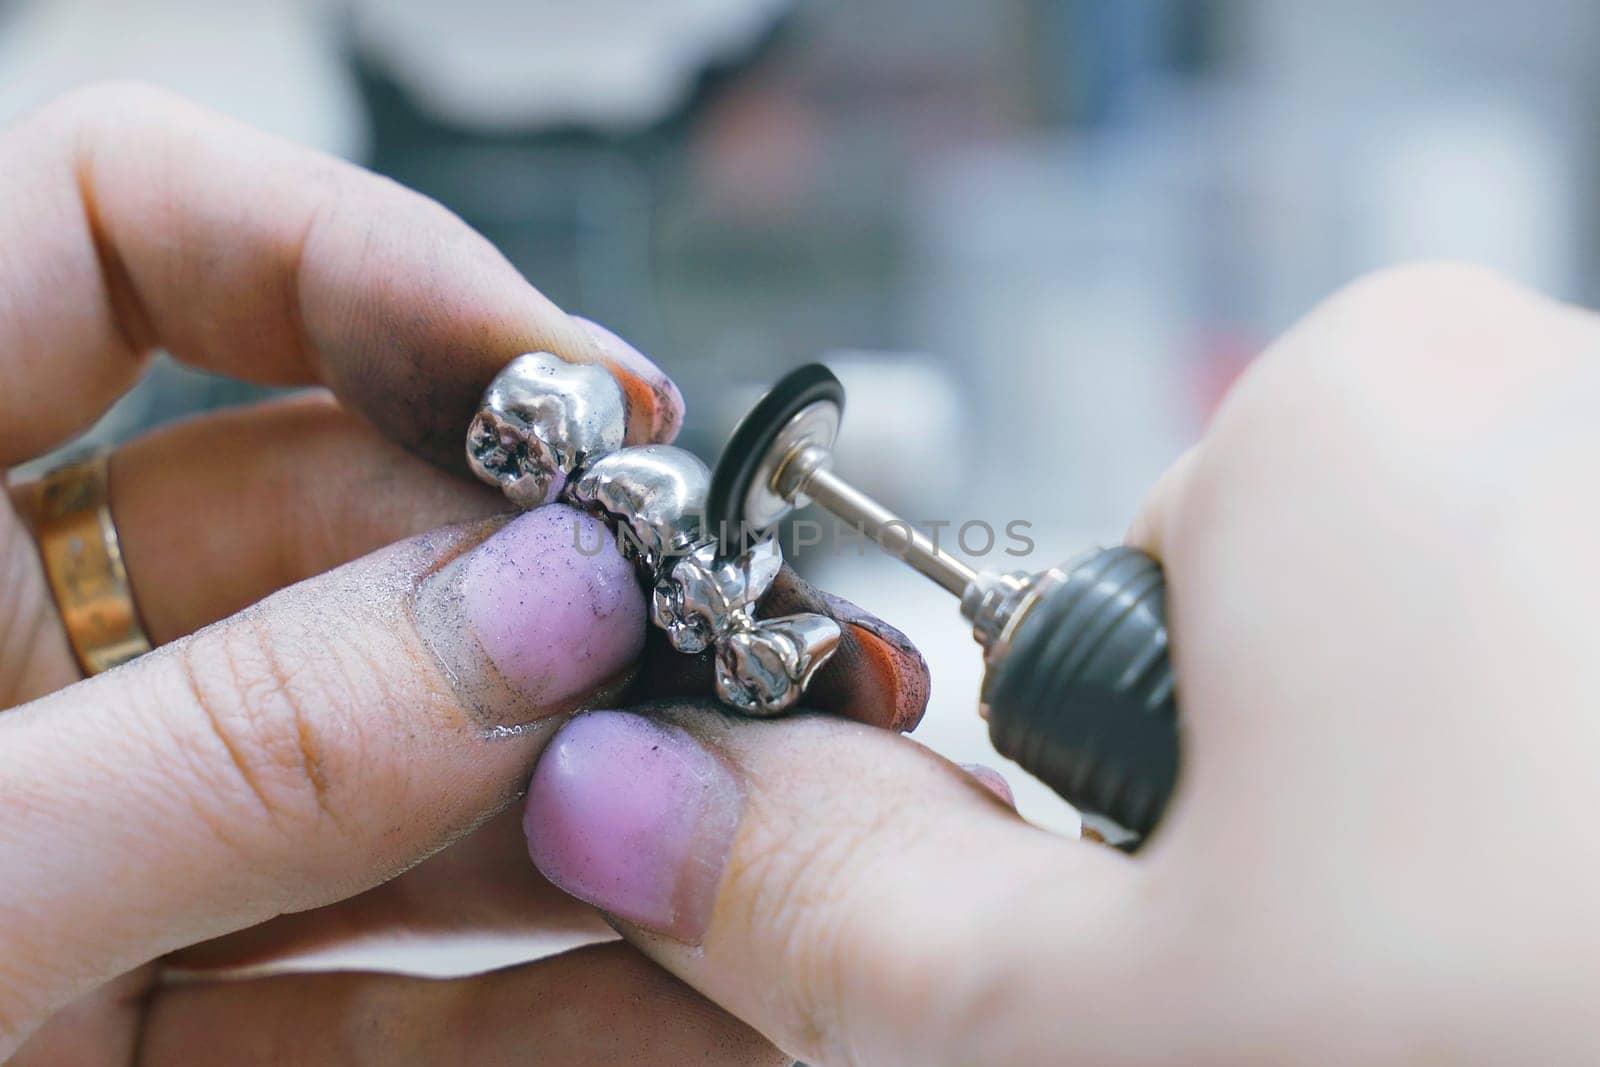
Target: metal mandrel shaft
{"type": "Point", "coordinates": [893, 534]}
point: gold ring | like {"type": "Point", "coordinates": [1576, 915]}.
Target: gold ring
{"type": "Point", "coordinates": [68, 509]}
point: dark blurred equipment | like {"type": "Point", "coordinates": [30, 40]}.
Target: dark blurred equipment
{"type": "Point", "coordinates": [568, 133]}
{"type": "Point", "coordinates": [1078, 687]}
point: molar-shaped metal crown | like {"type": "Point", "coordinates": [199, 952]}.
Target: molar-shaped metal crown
{"type": "Point", "coordinates": [540, 420]}
{"type": "Point", "coordinates": [764, 669]}
{"type": "Point", "coordinates": [549, 430]}
{"type": "Point", "coordinates": [657, 494]}
{"type": "Point", "coordinates": [703, 598]}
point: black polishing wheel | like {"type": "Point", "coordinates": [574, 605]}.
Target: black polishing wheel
{"type": "Point", "coordinates": [741, 457]}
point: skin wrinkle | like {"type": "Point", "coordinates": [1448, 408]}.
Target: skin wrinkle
{"type": "Point", "coordinates": [383, 346]}
{"type": "Point", "coordinates": [422, 669]}
{"type": "Point", "coordinates": [307, 747]}
{"type": "Point", "coordinates": [824, 947]}
{"type": "Point", "coordinates": [272, 701]}
{"type": "Point", "coordinates": [25, 604]}
{"type": "Point", "coordinates": [391, 584]}
{"type": "Point", "coordinates": [187, 673]}
{"type": "Point", "coordinates": [333, 678]}
{"type": "Point", "coordinates": [129, 317]}
{"type": "Point", "coordinates": [76, 218]}
{"type": "Point", "coordinates": [152, 707]}
{"type": "Point", "coordinates": [294, 296]}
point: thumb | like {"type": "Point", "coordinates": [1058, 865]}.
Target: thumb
{"type": "Point", "coordinates": [294, 754]}
{"type": "Point", "coordinates": [845, 891]}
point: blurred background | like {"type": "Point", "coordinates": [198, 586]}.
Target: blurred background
{"type": "Point", "coordinates": [1037, 238]}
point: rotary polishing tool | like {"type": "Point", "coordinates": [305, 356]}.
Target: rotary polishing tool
{"type": "Point", "coordinates": [1078, 686]}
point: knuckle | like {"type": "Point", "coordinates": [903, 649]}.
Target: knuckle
{"type": "Point", "coordinates": [1426, 289]}
{"type": "Point", "coordinates": [274, 717]}
{"type": "Point", "coordinates": [1394, 364]}
{"type": "Point", "coordinates": [1413, 328]}
{"type": "Point", "coordinates": [1402, 331]}
{"type": "Point", "coordinates": [787, 886]}
{"type": "Point", "coordinates": [24, 614]}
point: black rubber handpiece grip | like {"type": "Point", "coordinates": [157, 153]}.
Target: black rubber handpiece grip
{"type": "Point", "coordinates": [1084, 697]}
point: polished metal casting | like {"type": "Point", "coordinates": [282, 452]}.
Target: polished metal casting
{"type": "Point", "coordinates": [655, 493]}
{"type": "Point", "coordinates": [540, 420]}
{"type": "Point", "coordinates": [548, 430]}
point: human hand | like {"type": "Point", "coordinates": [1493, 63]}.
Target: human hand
{"type": "Point", "coordinates": [1382, 580]}
{"type": "Point", "coordinates": [239, 792]}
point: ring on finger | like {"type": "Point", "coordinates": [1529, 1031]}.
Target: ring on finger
{"type": "Point", "coordinates": [68, 511]}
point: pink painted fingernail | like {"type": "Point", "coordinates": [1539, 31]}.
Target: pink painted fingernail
{"type": "Point", "coordinates": [650, 390]}
{"type": "Point", "coordinates": [541, 615]}
{"type": "Point", "coordinates": [635, 817]}
{"type": "Point", "coordinates": [992, 780]}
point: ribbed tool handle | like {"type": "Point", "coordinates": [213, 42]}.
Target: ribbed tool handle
{"type": "Point", "coordinates": [1084, 697]}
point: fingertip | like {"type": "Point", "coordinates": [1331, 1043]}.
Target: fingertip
{"type": "Point", "coordinates": [655, 404]}
{"type": "Point", "coordinates": [993, 781]}
{"type": "Point", "coordinates": [543, 616]}
{"type": "Point", "coordinates": [634, 816]}
{"type": "Point", "coordinates": [885, 683]}
{"type": "Point", "coordinates": [877, 676]}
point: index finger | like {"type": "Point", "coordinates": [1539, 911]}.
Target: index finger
{"type": "Point", "coordinates": [131, 219]}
